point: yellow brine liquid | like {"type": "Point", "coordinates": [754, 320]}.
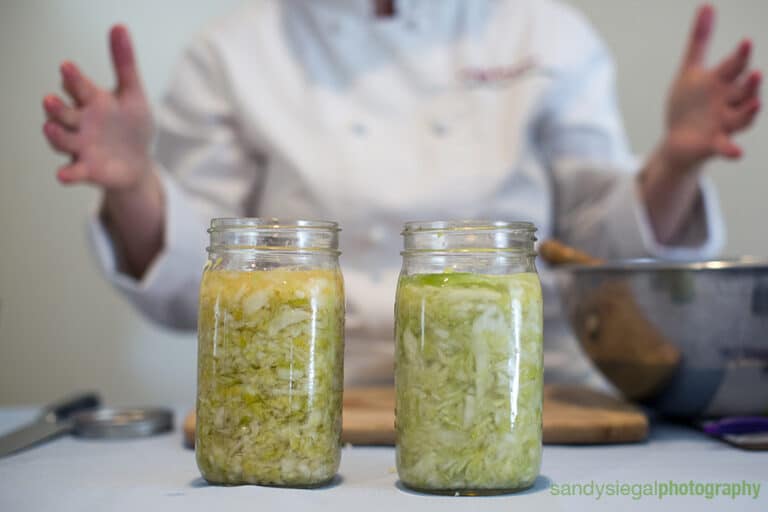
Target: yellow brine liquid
{"type": "Point", "coordinates": [270, 376]}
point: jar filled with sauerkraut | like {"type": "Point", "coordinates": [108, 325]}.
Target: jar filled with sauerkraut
{"type": "Point", "coordinates": [469, 358]}
{"type": "Point", "coordinates": [271, 345]}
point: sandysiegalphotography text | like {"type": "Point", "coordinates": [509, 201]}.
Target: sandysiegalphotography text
{"type": "Point", "coordinates": [658, 489]}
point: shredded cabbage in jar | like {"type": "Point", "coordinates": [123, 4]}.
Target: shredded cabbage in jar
{"type": "Point", "coordinates": [270, 376]}
{"type": "Point", "coordinates": [469, 376]}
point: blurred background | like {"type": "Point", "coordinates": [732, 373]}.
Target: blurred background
{"type": "Point", "coordinates": [62, 328]}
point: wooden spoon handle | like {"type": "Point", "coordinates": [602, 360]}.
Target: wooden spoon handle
{"type": "Point", "coordinates": [557, 253]}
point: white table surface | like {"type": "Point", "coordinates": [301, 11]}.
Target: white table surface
{"type": "Point", "coordinates": [158, 473]}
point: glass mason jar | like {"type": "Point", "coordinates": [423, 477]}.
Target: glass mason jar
{"type": "Point", "coordinates": [469, 358]}
{"type": "Point", "coordinates": [270, 353]}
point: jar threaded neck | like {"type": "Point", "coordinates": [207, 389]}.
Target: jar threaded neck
{"type": "Point", "coordinates": [469, 236]}
{"type": "Point", "coordinates": [273, 234]}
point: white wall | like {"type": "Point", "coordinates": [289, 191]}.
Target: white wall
{"type": "Point", "coordinates": [647, 39]}
{"type": "Point", "coordinates": [62, 328]}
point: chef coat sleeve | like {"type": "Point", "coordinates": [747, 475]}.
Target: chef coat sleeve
{"type": "Point", "coordinates": [206, 171]}
{"type": "Point", "coordinates": [597, 202]}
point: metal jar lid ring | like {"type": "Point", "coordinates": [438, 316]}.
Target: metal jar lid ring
{"type": "Point", "coordinates": [122, 423]}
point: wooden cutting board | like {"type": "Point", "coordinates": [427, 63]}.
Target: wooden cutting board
{"type": "Point", "coordinates": [572, 415]}
{"type": "Point", "coordinates": [579, 415]}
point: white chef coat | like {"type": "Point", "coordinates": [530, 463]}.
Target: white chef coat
{"type": "Point", "coordinates": [492, 109]}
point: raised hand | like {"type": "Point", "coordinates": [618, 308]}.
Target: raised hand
{"type": "Point", "coordinates": [707, 106]}
{"type": "Point", "coordinates": [107, 132]}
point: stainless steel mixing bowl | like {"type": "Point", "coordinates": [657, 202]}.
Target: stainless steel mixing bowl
{"type": "Point", "coordinates": [689, 339]}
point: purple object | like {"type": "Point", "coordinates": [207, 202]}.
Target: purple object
{"type": "Point", "coordinates": [737, 425]}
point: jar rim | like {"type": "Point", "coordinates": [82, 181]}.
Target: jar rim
{"type": "Point", "coordinates": [468, 225]}
{"type": "Point", "coordinates": [273, 235]}
{"type": "Point", "coordinates": [271, 224]}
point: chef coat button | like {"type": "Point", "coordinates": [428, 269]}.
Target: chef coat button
{"type": "Point", "coordinates": [411, 25]}
{"type": "Point", "coordinates": [358, 129]}
{"type": "Point", "coordinates": [438, 129]}
{"type": "Point", "coordinates": [376, 234]}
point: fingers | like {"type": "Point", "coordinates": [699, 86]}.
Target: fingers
{"type": "Point", "coordinates": [732, 66]}
{"type": "Point", "coordinates": [57, 110]}
{"type": "Point", "coordinates": [701, 31]}
{"type": "Point", "coordinates": [746, 89]}
{"type": "Point", "coordinates": [72, 173]}
{"type": "Point", "coordinates": [742, 116]}
{"type": "Point", "coordinates": [725, 147]}
{"type": "Point", "coordinates": [60, 138]}
{"type": "Point", "coordinates": [123, 59]}
{"type": "Point", "coordinates": [77, 85]}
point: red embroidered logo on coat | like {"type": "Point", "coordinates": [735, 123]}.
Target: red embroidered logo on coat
{"type": "Point", "coordinates": [493, 75]}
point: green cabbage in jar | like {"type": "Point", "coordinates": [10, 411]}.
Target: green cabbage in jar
{"type": "Point", "coordinates": [270, 376]}
{"type": "Point", "coordinates": [469, 371]}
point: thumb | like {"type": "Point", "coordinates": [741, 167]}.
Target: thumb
{"type": "Point", "coordinates": [123, 59]}
{"type": "Point", "coordinates": [700, 34]}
